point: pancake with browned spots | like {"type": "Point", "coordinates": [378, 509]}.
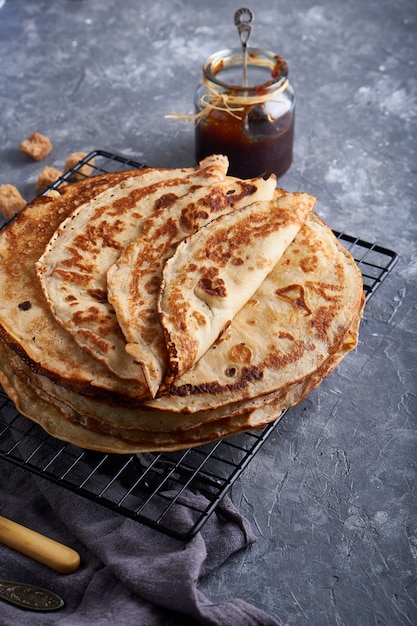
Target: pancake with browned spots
{"type": "Point", "coordinates": [134, 281]}
{"type": "Point", "coordinates": [289, 334]}
{"type": "Point", "coordinates": [26, 322]}
{"type": "Point", "coordinates": [299, 316]}
{"type": "Point", "coordinates": [72, 270]}
{"type": "Point", "coordinates": [116, 432]}
{"type": "Point", "coordinates": [215, 271]}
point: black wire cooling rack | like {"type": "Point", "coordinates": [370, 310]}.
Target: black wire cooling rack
{"type": "Point", "coordinates": [149, 487]}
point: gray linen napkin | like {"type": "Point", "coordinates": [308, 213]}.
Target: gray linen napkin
{"type": "Point", "coordinates": [129, 574]}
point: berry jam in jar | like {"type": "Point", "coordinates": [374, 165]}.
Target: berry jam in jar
{"type": "Point", "coordinates": [251, 124]}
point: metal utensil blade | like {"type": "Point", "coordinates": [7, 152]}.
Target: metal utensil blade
{"type": "Point", "coordinates": [30, 597]}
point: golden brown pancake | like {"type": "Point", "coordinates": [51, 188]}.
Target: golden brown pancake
{"type": "Point", "coordinates": [73, 268]}
{"type": "Point", "coordinates": [133, 282]}
{"type": "Point", "coordinates": [215, 271]}
{"type": "Point", "coordinates": [298, 317]}
{"type": "Point", "coordinates": [290, 332]}
{"type": "Point", "coordinates": [26, 322]}
{"type": "Point", "coordinates": [116, 436]}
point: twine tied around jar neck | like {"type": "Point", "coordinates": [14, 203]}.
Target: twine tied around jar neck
{"type": "Point", "coordinates": [213, 100]}
{"type": "Point", "coordinates": [233, 99]}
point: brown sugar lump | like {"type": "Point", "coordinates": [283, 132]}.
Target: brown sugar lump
{"type": "Point", "coordinates": [37, 146]}
{"type": "Point", "coordinates": [11, 201]}
{"type": "Point", "coordinates": [85, 170]}
{"type": "Point", "coordinates": [46, 178]}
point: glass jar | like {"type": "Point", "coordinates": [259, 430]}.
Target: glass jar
{"type": "Point", "coordinates": [251, 124]}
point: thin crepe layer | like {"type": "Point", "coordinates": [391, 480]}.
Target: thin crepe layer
{"type": "Point", "coordinates": [134, 281]}
{"type": "Point", "coordinates": [298, 317]}
{"type": "Point", "coordinates": [113, 437]}
{"type": "Point", "coordinates": [73, 268]}
{"type": "Point", "coordinates": [290, 334]}
{"type": "Point", "coordinates": [78, 418]}
{"type": "Point", "coordinates": [215, 271]}
{"type": "Point", "coordinates": [26, 322]}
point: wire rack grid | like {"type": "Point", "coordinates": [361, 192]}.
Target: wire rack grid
{"type": "Point", "coordinates": [149, 488]}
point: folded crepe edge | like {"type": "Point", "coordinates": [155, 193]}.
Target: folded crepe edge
{"type": "Point", "coordinates": [175, 367]}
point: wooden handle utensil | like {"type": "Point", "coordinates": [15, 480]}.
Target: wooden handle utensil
{"type": "Point", "coordinates": [39, 547]}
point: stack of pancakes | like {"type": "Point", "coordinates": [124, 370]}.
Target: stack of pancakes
{"type": "Point", "coordinates": [159, 309]}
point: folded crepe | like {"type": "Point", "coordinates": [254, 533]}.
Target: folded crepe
{"type": "Point", "coordinates": [72, 270]}
{"type": "Point", "coordinates": [26, 322]}
{"type": "Point", "coordinates": [283, 338]}
{"type": "Point", "coordinates": [232, 392]}
{"type": "Point", "coordinates": [215, 271]}
{"type": "Point", "coordinates": [134, 281]}
{"type": "Point", "coordinates": [297, 318]}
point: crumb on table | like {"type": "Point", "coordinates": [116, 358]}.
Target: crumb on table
{"type": "Point", "coordinates": [85, 170]}
{"type": "Point", "coordinates": [46, 178]}
{"type": "Point", "coordinates": [37, 146]}
{"type": "Point", "coordinates": [11, 201]}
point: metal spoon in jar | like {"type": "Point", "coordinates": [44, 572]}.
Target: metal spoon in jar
{"type": "Point", "coordinates": [243, 19]}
